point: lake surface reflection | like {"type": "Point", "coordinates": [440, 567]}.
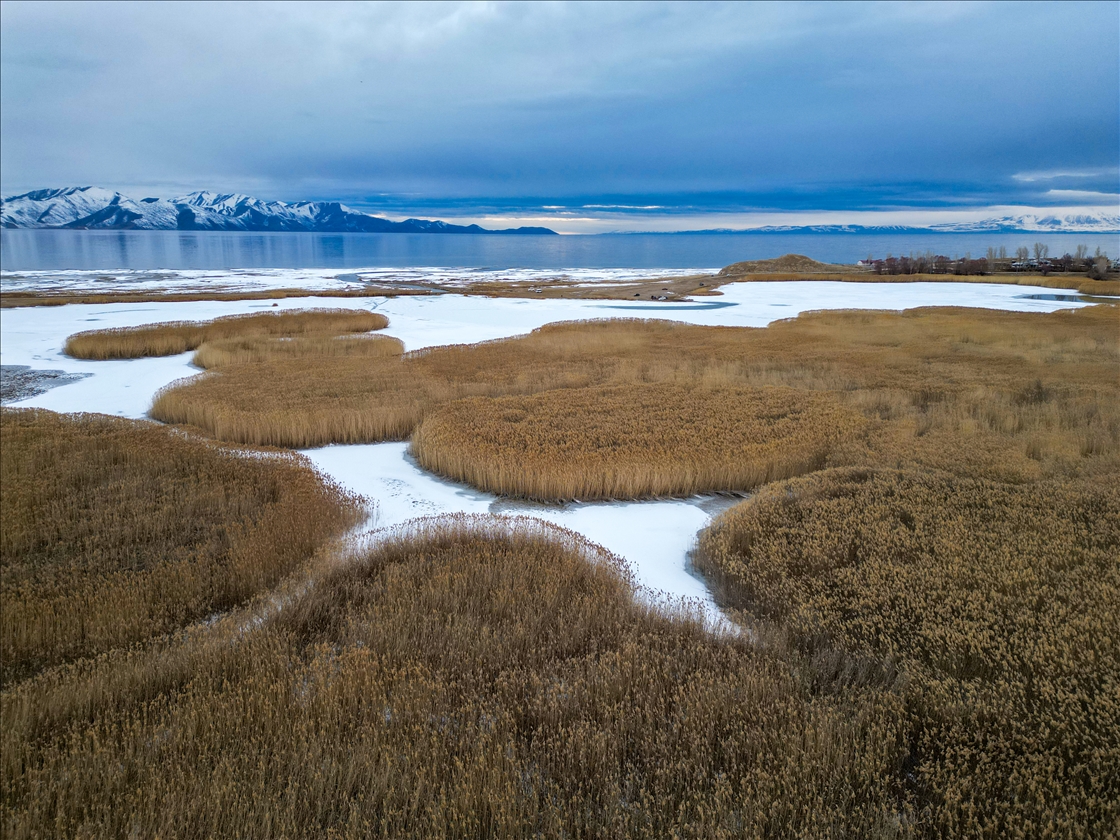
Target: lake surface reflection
{"type": "Point", "coordinates": [28, 250]}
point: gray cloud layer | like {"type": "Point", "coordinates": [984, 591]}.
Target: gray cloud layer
{"type": "Point", "coordinates": [469, 105]}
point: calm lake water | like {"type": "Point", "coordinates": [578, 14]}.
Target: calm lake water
{"type": "Point", "coordinates": [26, 250]}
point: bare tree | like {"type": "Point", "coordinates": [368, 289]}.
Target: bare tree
{"type": "Point", "coordinates": [1022, 252]}
{"type": "Point", "coordinates": [1041, 250]}
{"type": "Point", "coordinates": [1082, 253]}
{"type": "Point", "coordinates": [1002, 252]}
{"type": "Point", "coordinates": [1099, 271]}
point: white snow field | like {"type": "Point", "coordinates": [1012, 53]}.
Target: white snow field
{"type": "Point", "coordinates": [654, 536]}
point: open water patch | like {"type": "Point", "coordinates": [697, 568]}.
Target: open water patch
{"type": "Point", "coordinates": [18, 382]}
{"type": "Point", "coordinates": [1066, 298]}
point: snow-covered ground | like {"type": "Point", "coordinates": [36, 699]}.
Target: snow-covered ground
{"type": "Point", "coordinates": [454, 319]}
{"type": "Point", "coordinates": [654, 537]}
{"type": "Point", "coordinates": [313, 279]}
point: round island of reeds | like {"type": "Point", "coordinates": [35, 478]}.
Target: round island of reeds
{"type": "Point", "coordinates": [632, 441]}
{"type": "Point", "coordinates": [171, 337]}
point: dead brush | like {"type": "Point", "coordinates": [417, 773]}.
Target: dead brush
{"type": "Point", "coordinates": [114, 531]}
{"type": "Point", "coordinates": [240, 351]}
{"type": "Point", "coordinates": [174, 337]}
{"type": "Point", "coordinates": [471, 678]}
{"type": "Point", "coordinates": [1107, 288]}
{"type": "Point", "coordinates": [632, 441]}
{"type": "Point", "coordinates": [997, 602]}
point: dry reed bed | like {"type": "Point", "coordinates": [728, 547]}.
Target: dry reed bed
{"type": "Point", "coordinates": [47, 298]}
{"type": "Point", "coordinates": [936, 658]}
{"type": "Point", "coordinates": [1110, 288]}
{"type": "Point", "coordinates": [1002, 395]}
{"type": "Point", "coordinates": [113, 531]}
{"type": "Point", "coordinates": [999, 604]}
{"type": "Point", "coordinates": [630, 441]}
{"type": "Point", "coordinates": [240, 351]}
{"type": "Point", "coordinates": [168, 339]}
{"type": "Point", "coordinates": [458, 682]}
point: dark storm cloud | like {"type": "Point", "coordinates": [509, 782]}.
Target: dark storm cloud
{"type": "Point", "coordinates": [690, 106]}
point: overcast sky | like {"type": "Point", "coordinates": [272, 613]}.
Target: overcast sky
{"type": "Point", "coordinates": [580, 116]}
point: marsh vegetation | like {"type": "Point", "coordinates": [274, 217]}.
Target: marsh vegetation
{"type": "Point", "coordinates": [925, 581]}
{"type": "Point", "coordinates": [998, 603]}
{"type": "Point", "coordinates": [113, 531]}
{"type": "Point", "coordinates": [632, 441]}
{"type": "Point", "coordinates": [175, 337]}
{"type": "Point", "coordinates": [1002, 395]}
{"type": "Point", "coordinates": [467, 680]}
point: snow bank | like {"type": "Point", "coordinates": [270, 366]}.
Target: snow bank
{"type": "Point", "coordinates": [654, 537]}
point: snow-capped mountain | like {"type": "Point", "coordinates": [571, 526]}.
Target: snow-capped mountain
{"type": "Point", "coordinates": [92, 208]}
{"type": "Point", "coordinates": [1026, 223]}
{"type": "Point", "coordinates": [58, 208]}
{"type": "Point", "coordinates": [1033, 222]}
{"type": "Point", "coordinates": [1029, 223]}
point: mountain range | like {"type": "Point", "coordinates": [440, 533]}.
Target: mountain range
{"type": "Point", "coordinates": [93, 208]}
{"type": "Point", "coordinates": [1026, 223]}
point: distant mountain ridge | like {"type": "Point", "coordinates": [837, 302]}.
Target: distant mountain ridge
{"type": "Point", "coordinates": [1026, 223]}
{"type": "Point", "coordinates": [93, 208]}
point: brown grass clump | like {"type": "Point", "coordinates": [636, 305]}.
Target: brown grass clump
{"type": "Point", "coordinates": [998, 602]}
{"type": "Point", "coordinates": [1108, 288]}
{"type": "Point", "coordinates": [461, 680]}
{"type": "Point", "coordinates": [629, 441]}
{"type": "Point", "coordinates": [11, 300]}
{"type": "Point", "coordinates": [1003, 395]}
{"type": "Point", "coordinates": [114, 531]}
{"type": "Point", "coordinates": [240, 351]}
{"type": "Point", "coordinates": [180, 336]}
